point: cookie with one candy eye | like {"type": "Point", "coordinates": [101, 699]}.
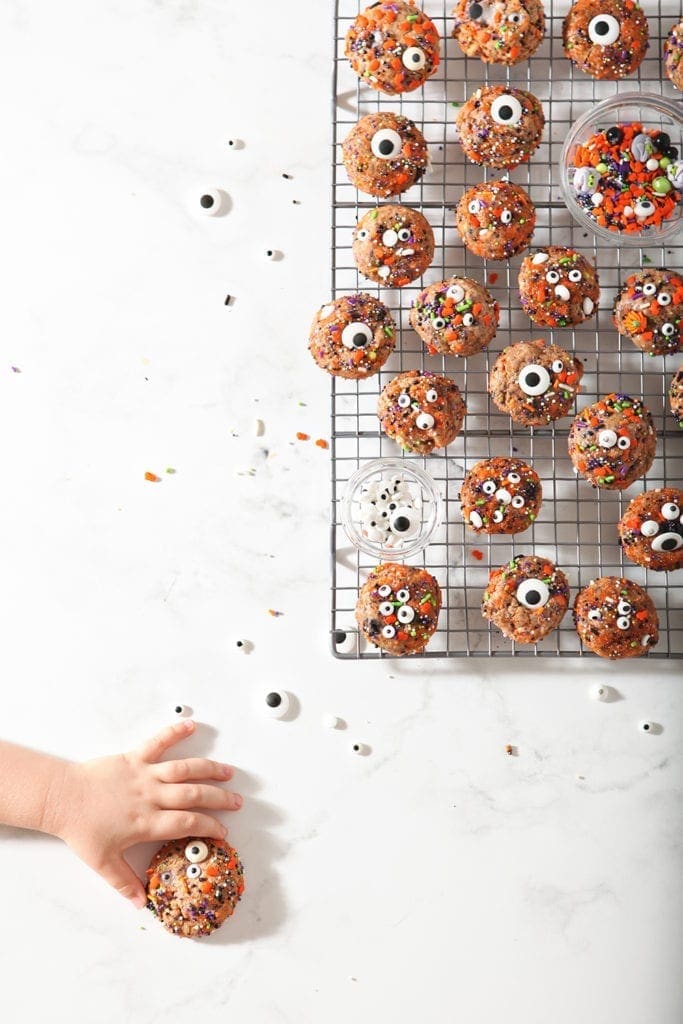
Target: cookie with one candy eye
{"type": "Point", "coordinates": [526, 599]}
{"type": "Point", "coordinates": [500, 126]}
{"type": "Point", "coordinates": [649, 311]}
{"type": "Point", "coordinates": [535, 382]}
{"type": "Point", "coordinates": [558, 287]}
{"type": "Point", "coordinates": [500, 495]}
{"type": "Point", "coordinates": [352, 337]}
{"type": "Point", "coordinates": [393, 47]}
{"type": "Point", "coordinates": [612, 442]}
{"type": "Point", "coordinates": [676, 396]}
{"type": "Point", "coordinates": [194, 885]}
{"type": "Point", "coordinates": [499, 31]}
{"type": "Point", "coordinates": [456, 317]}
{"type": "Point", "coordinates": [605, 38]}
{"type": "Point", "coordinates": [393, 245]}
{"type": "Point", "coordinates": [673, 55]}
{"type": "Point", "coordinates": [385, 154]}
{"type": "Point", "coordinates": [495, 219]}
{"type": "Point", "coordinates": [398, 608]}
{"type": "Point", "coordinates": [651, 529]}
{"type": "Point", "coordinates": [615, 618]}
{"type": "Point", "coordinates": [421, 411]}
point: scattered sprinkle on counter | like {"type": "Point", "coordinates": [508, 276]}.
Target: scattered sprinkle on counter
{"type": "Point", "coordinates": [275, 614]}
{"type": "Point", "coordinates": [322, 443]}
{"type": "Point", "coordinates": [152, 477]}
{"type": "Point", "coordinates": [300, 436]}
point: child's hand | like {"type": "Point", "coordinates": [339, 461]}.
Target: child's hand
{"type": "Point", "coordinates": [102, 807]}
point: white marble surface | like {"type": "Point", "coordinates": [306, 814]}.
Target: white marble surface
{"type": "Point", "coordinates": [436, 879]}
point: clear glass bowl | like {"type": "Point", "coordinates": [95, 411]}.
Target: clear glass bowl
{"type": "Point", "coordinates": [651, 111]}
{"type": "Point", "coordinates": [398, 532]}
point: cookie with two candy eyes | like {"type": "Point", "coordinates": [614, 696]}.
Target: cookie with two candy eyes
{"type": "Point", "coordinates": [558, 287]}
{"type": "Point", "coordinates": [649, 311]}
{"type": "Point", "coordinates": [616, 618]}
{"type": "Point", "coordinates": [398, 608]}
{"type": "Point", "coordinates": [500, 495]}
{"type": "Point", "coordinates": [495, 219]}
{"type": "Point", "coordinates": [500, 126]}
{"type": "Point", "coordinates": [393, 245]}
{"type": "Point", "coordinates": [352, 336]}
{"type": "Point", "coordinates": [385, 154]}
{"type": "Point", "coordinates": [613, 442]}
{"type": "Point", "coordinates": [535, 382]}
{"type": "Point", "coordinates": [393, 47]}
{"type": "Point", "coordinates": [605, 38]}
{"type": "Point", "coordinates": [676, 396]}
{"type": "Point", "coordinates": [651, 529]}
{"type": "Point", "coordinates": [499, 31]}
{"type": "Point", "coordinates": [673, 55]}
{"type": "Point", "coordinates": [526, 599]}
{"type": "Point", "coordinates": [421, 411]}
{"type": "Point", "coordinates": [457, 317]}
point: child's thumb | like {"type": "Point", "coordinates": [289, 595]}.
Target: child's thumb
{"type": "Point", "coordinates": [121, 877]}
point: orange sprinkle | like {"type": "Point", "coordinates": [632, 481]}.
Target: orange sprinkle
{"type": "Point", "coordinates": [321, 443]}
{"type": "Point", "coordinates": [152, 477]}
{"type": "Point", "coordinates": [493, 278]}
{"type": "Point", "coordinates": [476, 553]}
{"type": "Point", "coordinates": [212, 870]}
{"type": "Point", "coordinates": [206, 887]}
{"type": "Point", "coordinates": [302, 437]}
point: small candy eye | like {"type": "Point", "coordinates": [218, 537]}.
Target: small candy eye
{"type": "Point", "coordinates": [498, 515]}
{"type": "Point", "coordinates": [166, 877]}
{"type": "Point", "coordinates": [404, 235]}
{"type": "Point", "coordinates": [456, 291]}
{"type": "Point", "coordinates": [182, 710]}
{"type": "Point", "coordinates": [533, 593]}
{"type": "Point", "coordinates": [405, 521]}
{"type": "Point", "coordinates": [474, 207]}
{"type": "Point", "coordinates": [646, 726]}
{"type": "Point", "coordinates": [414, 58]}
{"type": "Point", "coordinates": [599, 692]}
{"type": "Point", "coordinates": [277, 703]}
{"type": "Point", "coordinates": [384, 590]}
{"type": "Point", "coordinates": [506, 110]}
{"type": "Point", "coordinates": [386, 144]}
{"type": "Point", "coordinates": [534, 380]}
{"type": "Point", "coordinates": [552, 277]}
{"type": "Point", "coordinates": [475, 520]}
{"type": "Point", "coordinates": [649, 288]}
{"type": "Point", "coordinates": [623, 622]}
{"type": "Point", "coordinates": [388, 632]}
{"type": "Point", "coordinates": [514, 478]}
{"type": "Point", "coordinates": [390, 238]}
{"type": "Point", "coordinates": [438, 323]}
{"type": "Point", "coordinates": [624, 607]}
{"type": "Point", "coordinates": [425, 421]}
{"type": "Point", "coordinates": [356, 335]}
{"type": "Point", "coordinates": [468, 320]}
{"type": "Point", "coordinates": [489, 487]}
{"type": "Point", "coordinates": [575, 275]}
{"type": "Point", "coordinates": [557, 366]}
{"type": "Point", "coordinates": [667, 542]}
{"type": "Point", "coordinates": [404, 400]}
{"type": "Point", "coordinates": [362, 235]}
{"type": "Point", "coordinates": [403, 595]}
{"type": "Point", "coordinates": [664, 299]}
{"type": "Point", "coordinates": [386, 608]}
{"type": "Point", "coordinates": [518, 501]}
{"type": "Point", "coordinates": [668, 330]}
{"type": "Point", "coordinates": [405, 614]}
{"type": "Point", "coordinates": [670, 510]}
{"type": "Point", "coordinates": [210, 202]}
{"type": "Point", "coordinates": [193, 871]}
{"type": "Point", "coordinates": [196, 851]}
{"type": "Point", "coordinates": [603, 29]}
{"type": "Point", "coordinates": [607, 438]}
{"type": "Point", "coordinates": [431, 395]}
{"type": "Point", "coordinates": [624, 442]}
{"type": "Point", "coordinates": [594, 615]}
{"type": "Point", "coordinates": [644, 208]}
{"type": "Point", "coordinates": [515, 18]}
{"type": "Point", "coordinates": [506, 217]}
{"type": "Point", "coordinates": [649, 528]}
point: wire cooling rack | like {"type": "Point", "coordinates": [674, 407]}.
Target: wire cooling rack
{"type": "Point", "coordinates": [577, 525]}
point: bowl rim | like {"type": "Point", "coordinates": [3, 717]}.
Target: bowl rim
{"type": "Point", "coordinates": [646, 100]}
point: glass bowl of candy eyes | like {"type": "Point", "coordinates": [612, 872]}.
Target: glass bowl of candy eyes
{"type": "Point", "coordinates": [391, 509]}
{"type": "Point", "coordinates": [621, 169]}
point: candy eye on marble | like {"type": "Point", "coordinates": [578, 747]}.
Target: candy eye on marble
{"type": "Point", "coordinates": [359, 749]}
{"type": "Point", "coordinates": [534, 380]}
{"type": "Point", "coordinates": [670, 510]}
{"type": "Point", "coordinates": [414, 58]}
{"type": "Point", "coordinates": [599, 692]}
{"type": "Point", "coordinates": [533, 593]}
{"type": "Point", "coordinates": [193, 871]}
{"type": "Point", "coordinates": [386, 144]}
{"type": "Point", "coordinates": [182, 710]}
{"type": "Point", "coordinates": [277, 703]}
{"type": "Point", "coordinates": [196, 851]}
{"type": "Point", "coordinates": [211, 202]}
{"type": "Point", "coordinates": [356, 335]}
{"type": "Point", "coordinates": [506, 110]}
{"type": "Point", "coordinates": [603, 29]}
{"type": "Point", "coordinates": [646, 726]}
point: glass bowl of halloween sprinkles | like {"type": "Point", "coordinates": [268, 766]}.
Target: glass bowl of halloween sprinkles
{"type": "Point", "coordinates": [622, 169]}
{"type": "Point", "coordinates": [391, 509]}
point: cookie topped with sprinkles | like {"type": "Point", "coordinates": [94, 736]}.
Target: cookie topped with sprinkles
{"type": "Point", "coordinates": [499, 31]}
{"type": "Point", "coordinates": [393, 47]}
{"type": "Point", "coordinates": [393, 245]}
{"type": "Point", "coordinates": [500, 126]}
{"type": "Point", "coordinates": [649, 311]}
{"type": "Point", "coordinates": [605, 38]}
{"type": "Point", "coordinates": [500, 495]}
{"type": "Point", "coordinates": [673, 55]}
{"type": "Point", "coordinates": [616, 618]}
{"type": "Point", "coordinates": [526, 599]}
{"type": "Point", "coordinates": [457, 317]}
{"type": "Point", "coordinates": [398, 608]}
{"type": "Point", "coordinates": [612, 442]}
{"type": "Point", "coordinates": [385, 154]}
{"type": "Point", "coordinates": [535, 382]}
{"type": "Point", "coordinates": [676, 396]}
{"type": "Point", "coordinates": [352, 336]}
{"type": "Point", "coordinates": [558, 287]}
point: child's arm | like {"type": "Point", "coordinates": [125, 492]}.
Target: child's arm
{"type": "Point", "coordinates": [102, 807]}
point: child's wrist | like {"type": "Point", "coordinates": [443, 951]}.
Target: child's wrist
{"type": "Point", "coordinates": [60, 800]}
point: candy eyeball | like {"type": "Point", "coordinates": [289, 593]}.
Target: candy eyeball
{"type": "Point", "coordinates": [670, 510]}
{"type": "Point", "coordinates": [388, 632]}
{"type": "Point", "coordinates": [405, 614]}
{"type": "Point", "coordinates": [196, 851]}
{"type": "Point", "coordinates": [425, 421]}
{"type": "Point", "coordinates": [624, 622]}
{"type": "Point", "coordinates": [386, 608]}
{"type": "Point", "coordinates": [644, 208]}
{"type": "Point", "coordinates": [404, 235]}
{"type": "Point", "coordinates": [363, 235]}
{"type": "Point", "coordinates": [438, 323]}
{"type": "Point", "coordinates": [518, 501]}
{"type": "Point", "coordinates": [193, 871]}
{"type": "Point", "coordinates": [403, 595]}
{"type": "Point", "coordinates": [506, 217]}
{"type": "Point", "coordinates": [503, 496]}
{"type": "Point", "coordinates": [166, 877]}
{"type": "Point", "coordinates": [624, 442]}
{"type": "Point", "coordinates": [603, 30]}
{"type": "Point", "coordinates": [431, 396]}
{"type": "Point", "coordinates": [514, 478]}
{"type": "Point", "coordinates": [384, 590]}
{"type": "Point", "coordinates": [557, 366]}
{"type": "Point", "coordinates": [624, 607]}
{"type": "Point", "coordinates": [599, 692]}
{"type": "Point", "coordinates": [533, 593]}
{"type": "Point", "coordinates": [497, 516]}
{"type": "Point", "coordinates": [489, 487]}
{"type": "Point", "coordinates": [468, 320]}
{"type": "Point", "coordinates": [405, 521]}
{"type": "Point", "coordinates": [664, 299]}
{"type": "Point", "coordinates": [390, 238]}
{"type": "Point", "coordinates": [667, 542]}
{"type": "Point", "coordinates": [474, 207]}
{"type": "Point", "coordinates": [359, 749]}
{"type": "Point", "coordinates": [386, 144]}
{"type": "Point", "coordinates": [646, 726]}
{"type": "Point", "coordinates": [277, 703]}
{"type": "Point", "coordinates": [575, 276]}
{"type": "Point", "coordinates": [534, 380]}
{"type": "Point", "coordinates": [607, 438]}
{"type": "Point", "coordinates": [649, 528]}
{"type": "Point", "coordinates": [506, 110]}
{"type": "Point", "coordinates": [404, 400]}
{"type": "Point", "coordinates": [211, 202]}
{"type": "Point", "coordinates": [414, 58]}
{"type": "Point", "coordinates": [668, 330]}
{"type": "Point", "coordinates": [456, 291]}
{"type": "Point", "coordinates": [182, 710]}
{"type": "Point", "coordinates": [649, 288]}
{"type": "Point", "coordinates": [356, 335]}
{"type": "Point", "coordinates": [516, 18]}
{"type": "Point", "coordinates": [594, 615]}
{"type": "Point", "coordinates": [552, 277]}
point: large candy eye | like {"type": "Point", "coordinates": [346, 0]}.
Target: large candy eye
{"type": "Point", "coordinates": [474, 207]}
{"type": "Point", "coordinates": [405, 521]}
{"type": "Point", "coordinates": [518, 501]}
{"type": "Point", "coordinates": [404, 235]}
{"type": "Point", "coordinates": [386, 608]}
{"type": "Point", "coordinates": [664, 299]}
{"type": "Point", "coordinates": [623, 622]}
{"type": "Point", "coordinates": [594, 615]}
{"type": "Point", "coordinates": [196, 851]}
{"type": "Point", "coordinates": [649, 528]}
{"type": "Point", "coordinates": [475, 12]}
{"type": "Point", "coordinates": [503, 496]}
{"type": "Point", "coordinates": [384, 590]}
{"type": "Point", "coordinates": [498, 516]}
{"type": "Point", "coordinates": [489, 487]}
{"type": "Point", "coordinates": [363, 235]}
{"type": "Point", "coordinates": [438, 323]}
{"type": "Point", "coordinates": [468, 320]}
{"type": "Point", "coordinates": [388, 632]}
{"type": "Point", "coordinates": [405, 614]}
{"type": "Point", "coordinates": [414, 58]}
{"type": "Point", "coordinates": [514, 478]}
{"type": "Point", "coordinates": [670, 510]}
{"type": "Point", "coordinates": [403, 596]}
{"type": "Point", "coordinates": [603, 29]}
{"type": "Point", "coordinates": [425, 421]}
{"type": "Point", "coordinates": [456, 292]}
{"type": "Point", "coordinates": [506, 110]}
{"type": "Point", "coordinates": [607, 438]}
{"type": "Point", "coordinates": [506, 217]}
{"type": "Point", "coordinates": [193, 871]}
{"type": "Point", "coordinates": [534, 379]}
{"type": "Point", "coordinates": [557, 366]}
{"type": "Point", "coordinates": [552, 277]}
{"type": "Point", "coordinates": [431, 396]}
{"type": "Point", "coordinates": [386, 144]}
{"type": "Point", "coordinates": [624, 442]}
{"type": "Point", "coordinates": [667, 542]}
{"type": "Point", "coordinates": [644, 208]}
{"type": "Point", "coordinates": [649, 288]}
{"type": "Point", "coordinates": [356, 335]}
{"type": "Point", "coordinates": [624, 607]}
{"type": "Point", "coordinates": [668, 330]}
{"type": "Point", "coordinates": [574, 275]}
{"type": "Point", "coordinates": [533, 593]}
{"type": "Point", "coordinates": [389, 238]}
{"type": "Point", "coordinates": [404, 400]}
{"type": "Point", "coordinates": [211, 202]}
{"type": "Point", "coordinates": [277, 703]}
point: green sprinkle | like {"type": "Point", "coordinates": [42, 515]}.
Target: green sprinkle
{"type": "Point", "coordinates": [646, 259]}
{"type": "Point", "coordinates": [374, 214]}
{"type": "Point", "coordinates": [388, 331]}
{"type": "Point", "coordinates": [464, 306]}
{"type": "Point", "coordinates": [455, 104]}
{"type": "Point", "coordinates": [412, 17]}
{"type": "Point", "coordinates": [170, 469]}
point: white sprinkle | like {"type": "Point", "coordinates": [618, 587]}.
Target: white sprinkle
{"type": "Point", "coordinates": [405, 252]}
{"type": "Point", "coordinates": [383, 272]}
{"type": "Point", "coordinates": [588, 305]}
{"type": "Point", "coordinates": [476, 520]}
{"type": "Point", "coordinates": [597, 199]}
{"type": "Point", "coordinates": [652, 164]}
{"type": "Point", "coordinates": [326, 311]}
{"type": "Point", "coordinates": [628, 211]}
{"type": "Point", "coordinates": [259, 428]}
{"type": "Point", "coordinates": [484, 232]}
{"type": "Point", "coordinates": [540, 257]}
{"type": "Point", "coordinates": [331, 721]}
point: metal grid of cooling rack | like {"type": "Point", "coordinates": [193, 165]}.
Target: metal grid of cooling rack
{"type": "Point", "coordinates": [577, 525]}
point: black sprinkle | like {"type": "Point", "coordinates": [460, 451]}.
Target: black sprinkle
{"type": "Point", "coordinates": [287, 176]}
{"type": "Point", "coordinates": [296, 202]}
{"type": "Point", "coordinates": [339, 636]}
{"type": "Point", "coordinates": [228, 300]}
{"type": "Point", "coordinates": [240, 643]}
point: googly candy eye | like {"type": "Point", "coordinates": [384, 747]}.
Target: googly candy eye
{"type": "Point", "coordinates": [506, 217]}
{"type": "Point", "coordinates": [575, 276]}
{"type": "Point", "coordinates": [594, 615]}
{"type": "Point", "coordinates": [506, 110]}
{"type": "Point", "coordinates": [533, 593]}
{"type": "Point", "coordinates": [515, 18]}
{"type": "Point", "coordinates": [388, 632]}
{"type": "Point", "coordinates": [489, 487]}
{"type": "Point", "coordinates": [403, 595]}
{"type": "Point", "coordinates": [468, 320]}
{"type": "Point", "coordinates": [498, 515]}
{"type": "Point", "coordinates": [211, 202]}
{"type": "Point", "coordinates": [404, 235]}
{"type": "Point", "coordinates": [646, 726]}
{"type": "Point", "coordinates": [534, 380]}
{"type": "Point", "coordinates": [557, 366]}
{"type": "Point", "coordinates": [431, 396]}
{"type": "Point", "coordinates": [356, 335]}
{"type": "Point", "coordinates": [643, 209]}
{"type": "Point", "coordinates": [193, 871]}
{"type": "Point", "coordinates": [649, 528]}
{"type": "Point", "coordinates": [425, 421]}
{"type": "Point", "coordinates": [599, 692]}
{"type": "Point", "coordinates": [166, 877]}
{"type": "Point", "coordinates": [474, 206]}
{"type": "Point", "coordinates": [404, 400]}
{"type": "Point", "coordinates": [386, 608]}
{"type": "Point", "coordinates": [196, 851]}
{"type": "Point", "coordinates": [667, 542]}
{"type": "Point", "coordinates": [649, 288]}
{"type": "Point", "coordinates": [456, 291]}
{"type": "Point", "coordinates": [182, 710]}
{"type": "Point", "coordinates": [386, 144]}
{"type": "Point", "coordinates": [359, 749]}
{"type": "Point", "coordinates": [438, 323]}
{"type": "Point", "coordinates": [668, 330]}
{"type": "Point", "coordinates": [607, 438]}
{"type": "Point", "coordinates": [623, 622]}
{"type": "Point", "coordinates": [664, 299]}
{"type": "Point", "coordinates": [670, 510]}
{"type": "Point", "coordinates": [514, 478]}
{"type": "Point", "coordinates": [414, 58]}
{"type": "Point", "coordinates": [624, 607]}
{"type": "Point", "coordinates": [475, 520]}
{"type": "Point", "coordinates": [362, 235]}
{"type": "Point", "coordinates": [503, 496]}
{"type": "Point", "coordinates": [405, 614]}
{"type": "Point", "coordinates": [603, 30]}
{"type": "Point", "coordinates": [518, 501]}
{"type": "Point", "coordinates": [405, 521]}
{"type": "Point", "coordinates": [384, 590]}
{"type": "Point", "coordinates": [624, 442]}
{"type": "Point", "coordinates": [277, 703]}
{"type": "Point", "coordinates": [552, 277]}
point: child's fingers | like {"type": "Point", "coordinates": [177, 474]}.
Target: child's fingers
{"type": "Point", "coordinates": [212, 798]}
{"type": "Point", "coordinates": [179, 824]}
{"type": "Point", "coordinates": [191, 769]}
{"type": "Point", "coordinates": [152, 750]}
{"type": "Point", "coordinates": [121, 877]}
